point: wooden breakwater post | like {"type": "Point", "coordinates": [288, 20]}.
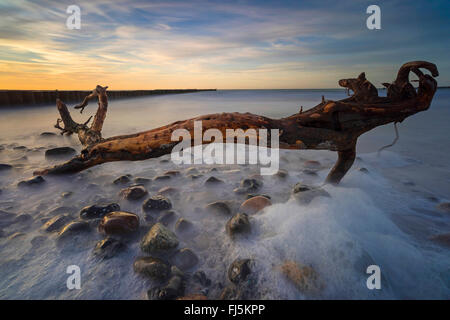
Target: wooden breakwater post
{"type": "Point", "coordinates": [9, 98]}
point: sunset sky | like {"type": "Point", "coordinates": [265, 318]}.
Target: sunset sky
{"type": "Point", "coordinates": [216, 44]}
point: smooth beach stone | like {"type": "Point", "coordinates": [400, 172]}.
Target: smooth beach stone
{"type": "Point", "coordinates": [282, 173]}
{"type": "Point", "coordinates": [108, 248]}
{"type": "Point", "coordinates": [159, 238]}
{"type": "Point", "coordinates": [239, 270]}
{"type": "Point", "coordinates": [60, 151]}
{"type": "Point", "coordinates": [238, 224]}
{"type": "Point", "coordinates": [66, 194]}
{"type": "Point", "coordinates": [184, 259]}
{"type": "Point", "coordinates": [201, 278]}
{"type": "Point", "coordinates": [303, 277]}
{"type": "Point", "coordinates": [251, 195]}
{"type": "Point", "coordinates": [48, 134]}
{"type": "Point", "coordinates": [195, 176]}
{"type": "Point", "coordinates": [172, 173]}
{"type": "Point", "coordinates": [182, 225]}
{"type": "Point", "coordinates": [142, 181]}
{"type": "Point", "coordinates": [218, 207]}
{"type": "Point", "coordinates": [162, 178]}
{"type": "Point", "coordinates": [312, 164]}
{"type": "Point", "coordinates": [167, 217]}
{"type": "Point", "coordinates": [310, 172]}
{"type": "Point", "coordinates": [20, 148]}
{"type": "Point", "coordinates": [156, 203]}
{"type": "Point", "coordinates": [167, 191]}
{"type": "Point", "coordinates": [444, 207]}
{"type": "Point", "coordinates": [213, 181]}
{"type": "Point", "coordinates": [5, 166]}
{"type": "Point", "coordinates": [192, 170]}
{"type": "Point", "coordinates": [119, 222]}
{"type": "Point", "coordinates": [305, 194]}
{"type": "Point", "coordinates": [98, 211]}
{"type": "Point", "coordinates": [72, 228]}
{"type": "Point", "coordinates": [250, 185]}
{"type": "Point", "coordinates": [255, 204]}
{"type": "Point", "coordinates": [173, 289]}
{"type": "Point", "coordinates": [123, 179]}
{"type": "Point", "coordinates": [153, 268]}
{"type": "Point", "coordinates": [133, 192]}
{"type": "Point", "coordinates": [31, 182]}
{"type": "Point", "coordinates": [364, 170]}
{"type": "Point", "coordinates": [56, 223]}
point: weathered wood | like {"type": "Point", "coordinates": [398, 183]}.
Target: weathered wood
{"type": "Point", "coordinates": [331, 125]}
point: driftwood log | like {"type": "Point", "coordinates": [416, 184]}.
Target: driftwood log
{"type": "Point", "coordinates": [331, 125]}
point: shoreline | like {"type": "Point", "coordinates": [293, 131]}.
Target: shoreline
{"type": "Point", "coordinates": [9, 98]}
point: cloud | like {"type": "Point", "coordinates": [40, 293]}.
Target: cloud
{"type": "Point", "coordinates": [141, 44]}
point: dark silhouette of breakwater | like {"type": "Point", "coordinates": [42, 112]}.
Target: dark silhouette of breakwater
{"type": "Point", "coordinates": [10, 98]}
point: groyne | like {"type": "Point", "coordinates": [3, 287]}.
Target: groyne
{"type": "Point", "coordinates": [10, 98]}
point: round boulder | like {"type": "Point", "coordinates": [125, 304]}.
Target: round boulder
{"type": "Point", "coordinates": [119, 222]}
{"type": "Point", "coordinates": [158, 239]}
{"type": "Point", "coordinates": [157, 203]}
{"type": "Point", "coordinates": [255, 204]}
{"type": "Point", "coordinates": [153, 268]}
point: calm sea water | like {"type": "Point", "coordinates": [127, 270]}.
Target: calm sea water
{"type": "Point", "coordinates": [386, 216]}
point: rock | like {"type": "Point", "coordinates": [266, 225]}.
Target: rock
{"type": "Point", "coordinates": [123, 179]}
{"type": "Point", "coordinates": [164, 161]}
{"type": "Point", "coordinates": [143, 181]}
{"type": "Point", "coordinates": [312, 164]}
{"type": "Point", "coordinates": [133, 193]}
{"type": "Point", "coordinates": [172, 173]}
{"type": "Point", "coordinates": [167, 191]}
{"type": "Point", "coordinates": [72, 228]}
{"type": "Point", "coordinates": [195, 176]}
{"type": "Point", "coordinates": [255, 204]}
{"type": "Point", "coordinates": [161, 178]}
{"type": "Point", "coordinates": [251, 195]}
{"type": "Point", "coordinates": [183, 226]}
{"type": "Point", "coordinates": [184, 259]}
{"type": "Point", "coordinates": [194, 296]}
{"type": "Point", "coordinates": [201, 278]}
{"type": "Point", "coordinates": [174, 271]}
{"type": "Point", "coordinates": [238, 224]}
{"type": "Point", "coordinates": [98, 211]}
{"type": "Point", "coordinates": [444, 207]}
{"type": "Point", "coordinates": [31, 182]}
{"type": "Point", "coordinates": [442, 239]}
{"type": "Point", "coordinates": [364, 170]}
{"type": "Point", "coordinates": [167, 217]}
{"type": "Point", "coordinates": [153, 268]}
{"type": "Point", "coordinates": [192, 170]}
{"type": "Point", "coordinates": [172, 290]}
{"type": "Point", "coordinates": [249, 185]}
{"type": "Point", "coordinates": [282, 174]}
{"type": "Point", "coordinates": [159, 238]}
{"type": "Point", "coordinates": [213, 181]}
{"type": "Point", "coordinates": [48, 134]}
{"type": "Point", "coordinates": [66, 194]}
{"type": "Point", "coordinates": [239, 270]}
{"type": "Point", "coordinates": [56, 223]}
{"type": "Point", "coordinates": [156, 203]}
{"type": "Point", "coordinates": [5, 167]}
{"type": "Point", "coordinates": [119, 222]}
{"type": "Point", "coordinates": [61, 151]}
{"type": "Point", "coordinates": [305, 194]}
{"type": "Point", "coordinates": [218, 207]}
{"type": "Point", "coordinates": [310, 172]}
{"type": "Point", "coordinates": [108, 248]}
{"type": "Point", "coordinates": [20, 148]}
{"type": "Point", "coordinates": [303, 277]}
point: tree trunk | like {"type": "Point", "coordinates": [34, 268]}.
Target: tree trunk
{"type": "Point", "coordinates": [331, 125]}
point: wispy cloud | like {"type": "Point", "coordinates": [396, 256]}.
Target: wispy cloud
{"type": "Point", "coordinates": [149, 44]}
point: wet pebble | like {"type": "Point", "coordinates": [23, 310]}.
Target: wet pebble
{"type": "Point", "coordinates": [151, 267]}
{"type": "Point", "coordinates": [60, 151]}
{"type": "Point", "coordinates": [218, 207]}
{"type": "Point", "coordinates": [167, 217]}
{"type": "Point", "coordinates": [108, 248]}
{"type": "Point", "coordinates": [123, 179]}
{"type": "Point", "coordinates": [31, 182]}
{"type": "Point", "coordinates": [158, 239]}
{"type": "Point", "coordinates": [239, 270]}
{"type": "Point", "coordinates": [156, 203]}
{"type": "Point", "coordinates": [119, 222]}
{"type": "Point", "coordinates": [213, 181]}
{"type": "Point", "coordinates": [238, 224]}
{"type": "Point", "coordinates": [184, 259]}
{"type": "Point", "coordinates": [254, 205]}
{"type": "Point", "coordinates": [98, 211]}
{"type": "Point", "coordinates": [133, 193]}
{"type": "Point", "coordinates": [56, 223]}
{"type": "Point", "coordinates": [72, 228]}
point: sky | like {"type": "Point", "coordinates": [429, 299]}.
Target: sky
{"type": "Point", "coordinates": [216, 44]}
